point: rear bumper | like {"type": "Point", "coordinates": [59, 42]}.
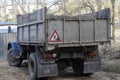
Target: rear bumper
{"type": "Point", "coordinates": [91, 66]}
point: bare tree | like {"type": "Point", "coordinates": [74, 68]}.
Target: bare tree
{"type": "Point", "coordinates": [99, 4]}
{"type": "Point", "coordinates": [21, 6]}
{"type": "Point", "coordinates": [13, 10]}
{"type": "Point", "coordinates": [5, 15]}
{"type": "Point", "coordinates": [44, 3]}
{"type": "Point", "coordinates": [113, 19]}
{"type": "Point", "coordinates": [37, 4]}
{"type": "Point", "coordinates": [67, 7]}
{"type": "Point", "coordinates": [118, 10]}
{"type": "Point", "coordinates": [28, 6]}
{"type": "Point", "coordinates": [89, 4]}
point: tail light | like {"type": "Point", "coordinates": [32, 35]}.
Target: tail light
{"type": "Point", "coordinates": [49, 56]}
{"type": "Point", "coordinates": [93, 54]}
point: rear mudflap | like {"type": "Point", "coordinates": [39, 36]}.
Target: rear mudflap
{"type": "Point", "coordinates": [46, 70]}
{"type": "Point", "coordinates": [91, 66]}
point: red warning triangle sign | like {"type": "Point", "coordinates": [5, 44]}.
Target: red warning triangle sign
{"type": "Point", "coordinates": [55, 37]}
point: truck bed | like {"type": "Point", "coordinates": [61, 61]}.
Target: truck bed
{"type": "Point", "coordinates": [40, 28]}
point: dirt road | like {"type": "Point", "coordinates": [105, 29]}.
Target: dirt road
{"type": "Point", "coordinates": [21, 73]}
{"type": "Point", "coordinates": [12, 73]}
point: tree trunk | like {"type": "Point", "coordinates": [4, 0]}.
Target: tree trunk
{"type": "Point", "coordinates": [37, 4]}
{"type": "Point", "coordinates": [99, 4]}
{"type": "Point", "coordinates": [5, 15]}
{"type": "Point", "coordinates": [44, 3]}
{"type": "Point", "coordinates": [13, 10]}
{"type": "Point", "coordinates": [113, 19]}
{"type": "Point", "coordinates": [28, 6]}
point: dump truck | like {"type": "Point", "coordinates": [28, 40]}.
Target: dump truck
{"type": "Point", "coordinates": [55, 44]}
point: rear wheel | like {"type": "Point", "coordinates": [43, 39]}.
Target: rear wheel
{"type": "Point", "coordinates": [13, 61]}
{"type": "Point", "coordinates": [32, 67]}
{"type": "Point", "coordinates": [78, 66]}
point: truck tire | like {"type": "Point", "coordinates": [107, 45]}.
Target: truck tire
{"type": "Point", "coordinates": [13, 61]}
{"type": "Point", "coordinates": [32, 68]}
{"type": "Point", "coordinates": [78, 66]}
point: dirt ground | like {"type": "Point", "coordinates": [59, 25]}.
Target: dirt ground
{"type": "Point", "coordinates": [110, 60]}
{"type": "Point", "coordinates": [21, 73]}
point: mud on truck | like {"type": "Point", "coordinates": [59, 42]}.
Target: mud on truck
{"type": "Point", "coordinates": [52, 43]}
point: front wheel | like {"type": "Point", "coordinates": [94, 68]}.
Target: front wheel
{"type": "Point", "coordinates": [13, 61]}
